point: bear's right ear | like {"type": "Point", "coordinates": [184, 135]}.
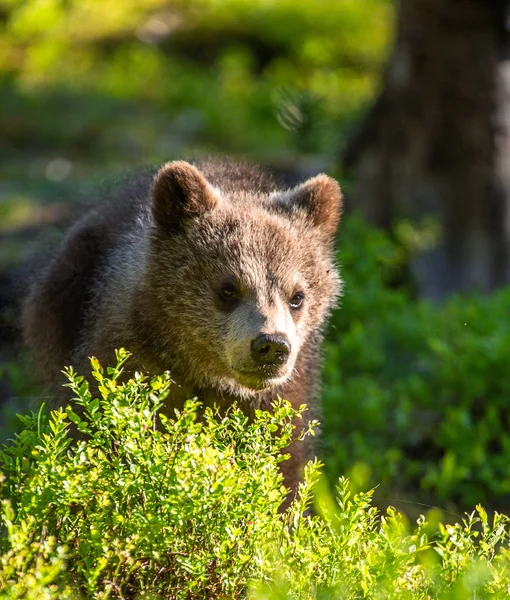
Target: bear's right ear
{"type": "Point", "coordinates": [180, 192]}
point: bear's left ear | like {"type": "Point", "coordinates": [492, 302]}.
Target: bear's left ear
{"type": "Point", "coordinates": [321, 199]}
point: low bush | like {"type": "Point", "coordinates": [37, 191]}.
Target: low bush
{"type": "Point", "coordinates": [416, 391]}
{"type": "Point", "coordinates": [191, 509]}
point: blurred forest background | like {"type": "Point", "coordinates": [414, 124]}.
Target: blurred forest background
{"type": "Point", "coordinates": [407, 104]}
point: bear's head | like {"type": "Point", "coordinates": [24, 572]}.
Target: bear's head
{"type": "Point", "coordinates": [242, 274]}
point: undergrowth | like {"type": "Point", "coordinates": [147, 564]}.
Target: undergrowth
{"type": "Point", "coordinates": [146, 506]}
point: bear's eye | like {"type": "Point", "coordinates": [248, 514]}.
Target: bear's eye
{"type": "Point", "coordinates": [297, 300]}
{"type": "Point", "coordinates": [228, 293]}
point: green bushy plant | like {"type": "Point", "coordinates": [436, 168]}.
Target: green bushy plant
{"type": "Point", "coordinates": [145, 508]}
{"type": "Point", "coordinates": [192, 509]}
{"type": "Point", "coordinates": [415, 390]}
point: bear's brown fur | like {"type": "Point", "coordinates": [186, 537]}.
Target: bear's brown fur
{"type": "Point", "coordinates": [209, 271]}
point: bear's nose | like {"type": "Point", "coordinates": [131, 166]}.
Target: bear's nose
{"type": "Point", "coordinates": [270, 349]}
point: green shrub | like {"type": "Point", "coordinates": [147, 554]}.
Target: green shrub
{"type": "Point", "coordinates": [191, 510]}
{"type": "Point", "coordinates": [416, 391]}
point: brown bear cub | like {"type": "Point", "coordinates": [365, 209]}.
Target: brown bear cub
{"type": "Point", "coordinates": [208, 271]}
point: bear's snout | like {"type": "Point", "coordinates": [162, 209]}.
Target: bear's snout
{"type": "Point", "coordinates": [270, 349]}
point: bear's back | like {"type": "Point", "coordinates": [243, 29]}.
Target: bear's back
{"type": "Point", "coordinates": [53, 316]}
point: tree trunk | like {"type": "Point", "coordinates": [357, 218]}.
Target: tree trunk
{"type": "Point", "coordinates": [436, 143]}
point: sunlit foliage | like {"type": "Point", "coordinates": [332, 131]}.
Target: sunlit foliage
{"type": "Point", "coordinates": [190, 509]}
